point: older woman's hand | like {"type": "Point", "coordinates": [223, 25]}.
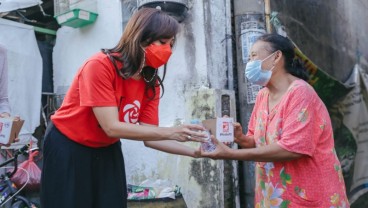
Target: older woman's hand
{"type": "Point", "coordinates": [221, 152]}
{"type": "Point", "coordinates": [241, 139]}
{"type": "Point", "coordinates": [238, 132]}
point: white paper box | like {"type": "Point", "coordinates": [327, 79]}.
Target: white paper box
{"type": "Point", "coordinates": [221, 128]}
{"type": "Point", "coordinates": [9, 129]}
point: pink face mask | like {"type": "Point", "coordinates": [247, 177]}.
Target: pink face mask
{"type": "Point", "coordinates": [157, 55]}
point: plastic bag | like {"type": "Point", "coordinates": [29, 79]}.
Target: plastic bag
{"type": "Point", "coordinates": [150, 189]}
{"type": "Point", "coordinates": [140, 192]}
{"type": "Point", "coordinates": [20, 177]}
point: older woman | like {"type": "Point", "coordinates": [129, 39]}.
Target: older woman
{"type": "Point", "coordinates": [289, 134]}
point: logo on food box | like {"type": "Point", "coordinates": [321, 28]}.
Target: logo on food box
{"type": "Point", "coordinates": [225, 127]}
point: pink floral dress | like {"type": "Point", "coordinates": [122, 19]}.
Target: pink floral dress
{"type": "Point", "coordinates": [299, 123]}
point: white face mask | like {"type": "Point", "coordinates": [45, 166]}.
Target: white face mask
{"type": "Point", "coordinates": [255, 74]}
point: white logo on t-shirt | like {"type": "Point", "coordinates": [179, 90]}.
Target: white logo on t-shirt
{"type": "Point", "coordinates": [131, 112]}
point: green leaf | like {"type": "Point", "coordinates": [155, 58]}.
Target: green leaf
{"type": "Point", "coordinates": [285, 204]}
{"type": "Point", "coordinates": [263, 186]}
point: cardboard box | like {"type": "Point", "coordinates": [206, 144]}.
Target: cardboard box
{"type": "Point", "coordinates": [221, 128]}
{"type": "Point", "coordinates": [9, 129]}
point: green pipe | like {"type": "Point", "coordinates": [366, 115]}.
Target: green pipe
{"type": "Point", "coordinates": [44, 30]}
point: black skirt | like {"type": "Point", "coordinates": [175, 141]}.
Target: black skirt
{"type": "Point", "coordinates": [77, 176]}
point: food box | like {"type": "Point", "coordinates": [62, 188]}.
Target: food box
{"type": "Point", "coordinates": [9, 129]}
{"type": "Point", "coordinates": [221, 128]}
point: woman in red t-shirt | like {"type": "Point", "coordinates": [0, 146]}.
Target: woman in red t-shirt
{"type": "Point", "coordinates": [113, 91]}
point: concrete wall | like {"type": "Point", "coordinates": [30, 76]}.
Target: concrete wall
{"type": "Point", "coordinates": [330, 32]}
{"type": "Point", "coordinates": [200, 61]}
{"type": "Point", "coordinates": [73, 46]}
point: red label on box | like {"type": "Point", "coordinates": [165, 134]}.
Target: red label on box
{"type": "Point", "coordinates": [225, 127]}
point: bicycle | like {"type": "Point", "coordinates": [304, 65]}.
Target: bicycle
{"type": "Point", "coordinates": [8, 191]}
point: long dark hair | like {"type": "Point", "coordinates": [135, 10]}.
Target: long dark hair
{"type": "Point", "coordinates": [283, 44]}
{"type": "Point", "coordinates": [144, 27]}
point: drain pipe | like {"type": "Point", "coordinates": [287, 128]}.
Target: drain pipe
{"type": "Point", "coordinates": [249, 24]}
{"type": "Point", "coordinates": [267, 15]}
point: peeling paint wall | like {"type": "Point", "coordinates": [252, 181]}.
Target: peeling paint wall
{"type": "Point", "coordinates": [200, 61]}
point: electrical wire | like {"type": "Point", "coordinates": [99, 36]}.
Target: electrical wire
{"type": "Point", "coordinates": [19, 190]}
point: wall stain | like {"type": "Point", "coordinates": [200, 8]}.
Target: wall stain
{"type": "Point", "coordinates": [202, 105]}
{"type": "Point", "coordinates": [206, 172]}
{"type": "Point", "coordinates": [208, 177]}
{"type": "Point", "coordinates": [207, 15]}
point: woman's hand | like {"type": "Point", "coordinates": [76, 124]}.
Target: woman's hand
{"type": "Point", "coordinates": [188, 132]}
{"type": "Point", "coordinates": [4, 115]}
{"type": "Point", "coordinates": [108, 118]}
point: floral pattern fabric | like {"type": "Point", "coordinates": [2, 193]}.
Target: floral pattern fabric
{"type": "Point", "coordinates": [299, 123]}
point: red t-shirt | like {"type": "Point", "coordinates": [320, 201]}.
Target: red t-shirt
{"type": "Point", "coordinates": [98, 84]}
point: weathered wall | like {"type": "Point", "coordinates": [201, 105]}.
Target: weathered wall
{"type": "Point", "coordinates": [73, 46]}
{"type": "Point", "coordinates": [200, 60]}
{"type": "Point", "coordinates": [329, 32]}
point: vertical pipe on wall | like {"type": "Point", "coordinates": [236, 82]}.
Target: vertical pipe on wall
{"type": "Point", "coordinates": [267, 15]}
{"type": "Point", "coordinates": [228, 42]}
